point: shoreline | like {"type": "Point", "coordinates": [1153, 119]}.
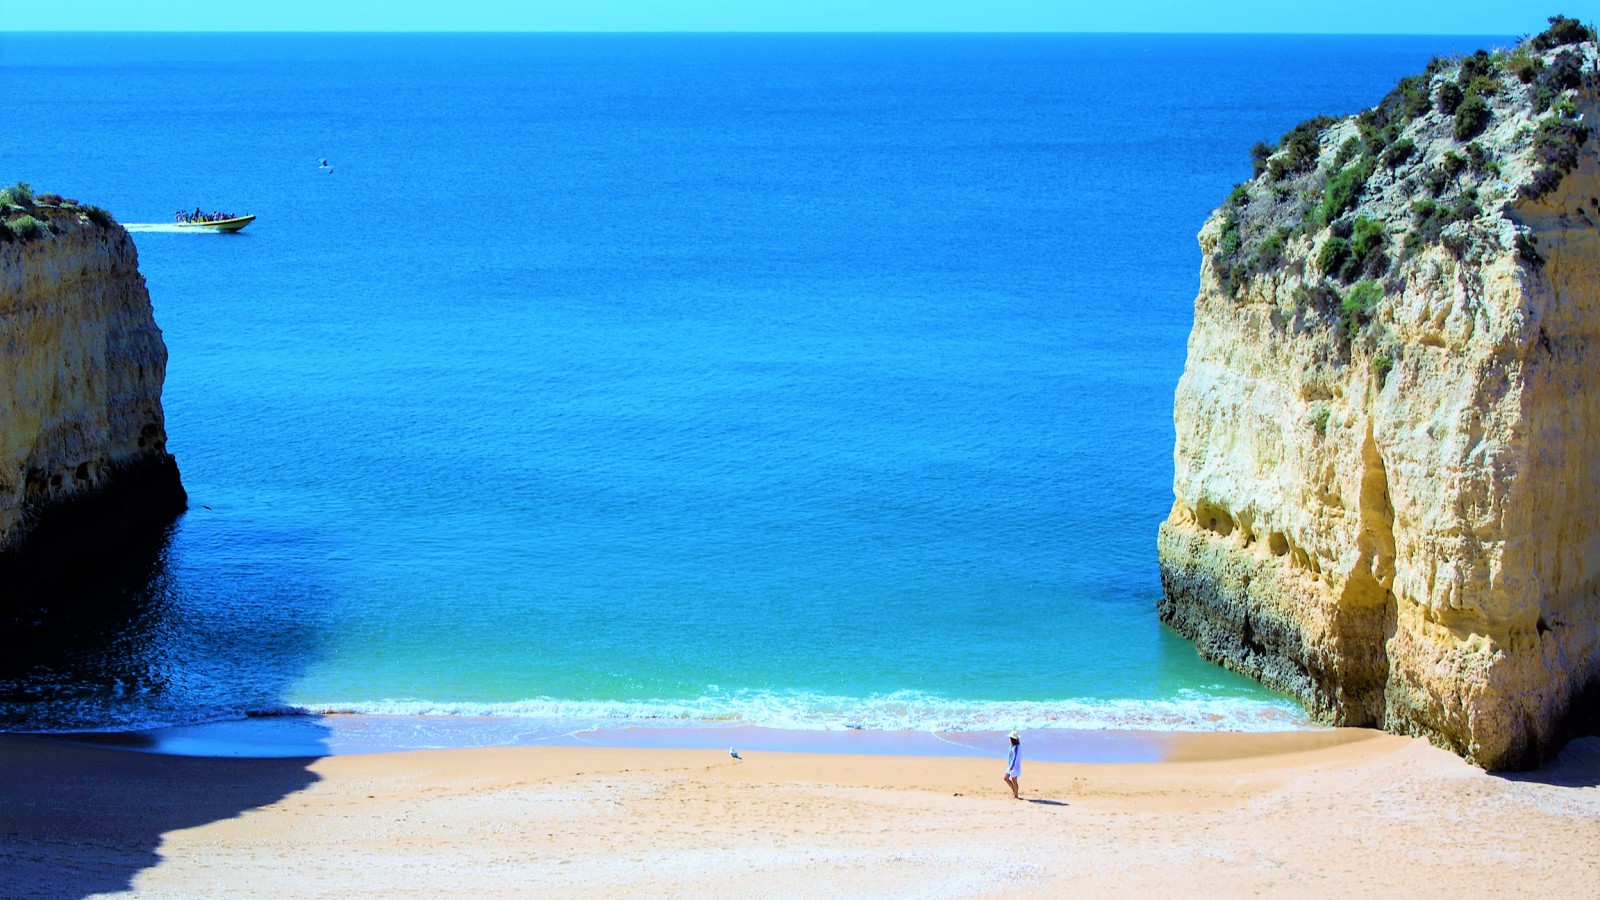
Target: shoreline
{"type": "Point", "coordinates": [1223, 815]}
{"type": "Point", "coordinates": [325, 735]}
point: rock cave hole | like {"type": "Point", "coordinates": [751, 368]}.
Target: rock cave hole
{"type": "Point", "coordinates": [1278, 543]}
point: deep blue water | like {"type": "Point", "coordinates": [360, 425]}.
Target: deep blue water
{"type": "Point", "coordinates": [804, 381]}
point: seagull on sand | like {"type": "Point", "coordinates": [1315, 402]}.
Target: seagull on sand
{"type": "Point", "coordinates": [734, 753]}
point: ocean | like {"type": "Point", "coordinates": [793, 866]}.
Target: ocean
{"type": "Point", "coordinates": [608, 384]}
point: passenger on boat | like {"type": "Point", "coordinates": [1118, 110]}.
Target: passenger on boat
{"type": "Point", "coordinates": [215, 215]}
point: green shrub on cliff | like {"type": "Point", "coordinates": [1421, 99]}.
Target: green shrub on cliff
{"type": "Point", "coordinates": [1480, 163]}
{"type": "Point", "coordinates": [1298, 150]}
{"type": "Point", "coordinates": [1479, 76]}
{"type": "Point", "coordinates": [1343, 192]}
{"type": "Point", "coordinates": [1558, 143]}
{"type": "Point", "coordinates": [1522, 63]}
{"type": "Point", "coordinates": [1414, 99]}
{"type": "Point", "coordinates": [27, 228]}
{"type": "Point", "coordinates": [1382, 365]}
{"type": "Point", "coordinates": [1435, 180]}
{"type": "Point", "coordinates": [1472, 117]}
{"type": "Point", "coordinates": [1229, 243]}
{"type": "Point", "coordinates": [1234, 265]}
{"type": "Point", "coordinates": [1260, 154]}
{"type": "Point", "coordinates": [1360, 252]}
{"type": "Point", "coordinates": [1394, 156]}
{"type": "Point", "coordinates": [1430, 219]}
{"type": "Point", "coordinates": [1376, 135]}
{"type": "Point", "coordinates": [1562, 31]}
{"type": "Point", "coordinates": [1398, 152]}
{"type": "Point", "coordinates": [19, 194]}
{"type": "Point", "coordinates": [1355, 311]}
{"type": "Point", "coordinates": [1334, 254]}
{"type": "Point", "coordinates": [1350, 149]}
{"type": "Point", "coordinates": [1447, 172]}
{"type": "Point", "coordinates": [1556, 147]}
{"type": "Point", "coordinates": [1449, 98]}
{"type": "Point", "coordinates": [1564, 72]}
{"type": "Point", "coordinates": [1381, 125]}
{"type": "Point", "coordinates": [1528, 250]}
{"type": "Point", "coordinates": [1367, 240]}
{"type": "Point", "coordinates": [1272, 251]}
{"type": "Point", "coordinates": [1540, 183]}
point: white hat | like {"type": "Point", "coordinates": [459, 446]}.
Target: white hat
{"type": "Point", "coordinates": [1014, 736]}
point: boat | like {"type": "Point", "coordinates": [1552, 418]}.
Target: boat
{"type": "Point", "coordinates": [233, 224]}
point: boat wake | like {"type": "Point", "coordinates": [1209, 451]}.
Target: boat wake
{"type": "Point", "coordinates": [168, 228]}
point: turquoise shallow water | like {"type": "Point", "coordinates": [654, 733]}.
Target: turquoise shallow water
{"type": "Point", "coordinates": [813, 382]}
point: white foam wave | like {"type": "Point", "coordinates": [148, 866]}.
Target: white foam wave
{"type": "Point", "coordinates": [904, 711]}
{"type": "Point", "coordinates": [150, 720]}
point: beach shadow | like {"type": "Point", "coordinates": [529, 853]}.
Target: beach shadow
{"type": "Point", "coordinates": [1578, 766]}
{"type": "Point", "coordinates": [79, 820]}
{"type": "Point", "coordinates": [114, 641]}
{"type": "Point", "coordinates": [1046, 802]}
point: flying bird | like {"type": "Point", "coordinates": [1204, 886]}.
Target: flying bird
{"type": "Point", "coordinates": [734, 753]}
{"type": "Point", "coordinates": [322, 162]}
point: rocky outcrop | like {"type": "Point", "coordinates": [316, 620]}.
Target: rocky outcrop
{"type": "Point", "coordinates": [1387, 470]}
{"type": "Point", "coordinates": [84, 468]}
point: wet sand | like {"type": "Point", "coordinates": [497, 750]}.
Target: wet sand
{"type": "Point", "coordinates": [1311, 813]}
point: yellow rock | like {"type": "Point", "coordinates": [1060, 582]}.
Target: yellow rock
{"type": "Point", "coordinates": [1414, 547]}
{"type": "Point", "coordinates": [81, 369]}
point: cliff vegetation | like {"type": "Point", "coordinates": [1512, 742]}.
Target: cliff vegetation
{"type": "Point", "coordinates": [1387, 487]}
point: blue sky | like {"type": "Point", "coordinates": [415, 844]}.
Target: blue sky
{"type": "Point", "coordinates": [1350, 16]}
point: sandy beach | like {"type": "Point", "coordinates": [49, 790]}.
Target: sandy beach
{"type": "Point", "coordinates": [1346, 813]}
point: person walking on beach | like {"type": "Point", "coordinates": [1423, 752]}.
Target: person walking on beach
{"type": "Point", "coordinates": [1014, 765]}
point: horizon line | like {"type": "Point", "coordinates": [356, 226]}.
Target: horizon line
{"type": "Point", "coordinates": [746, 31]}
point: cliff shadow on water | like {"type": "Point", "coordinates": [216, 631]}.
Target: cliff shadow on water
{"type": "Point", "coordinates": [95, 649]}
{"type": "Point", "coordinates": [69, 616]}
{"type": "Point", "coordinates": [105, 627]}
{"type": "Point", "coordinates": [95, 546]}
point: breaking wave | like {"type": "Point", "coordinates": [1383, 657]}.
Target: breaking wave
{"type": "Point", "coordinates": [903, 711]}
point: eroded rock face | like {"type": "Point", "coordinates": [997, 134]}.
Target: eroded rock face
{"type": "Point", "coordinates": [83, 456]}
{"type": "Point", "coordinates": [1392, 511]}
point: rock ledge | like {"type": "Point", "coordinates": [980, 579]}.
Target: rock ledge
{"type": "Point", "coordinates": [84, 468]}
{"type": "Point", "coordinates": [1387, 468]}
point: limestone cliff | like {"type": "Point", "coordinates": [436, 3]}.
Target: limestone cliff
{"type": "Point", "coordinates": [1388, 426]}
{"type": "Point", "coordinates": [83, 459]}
